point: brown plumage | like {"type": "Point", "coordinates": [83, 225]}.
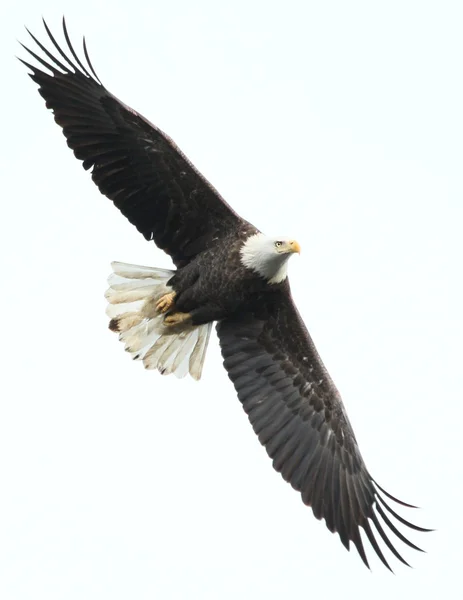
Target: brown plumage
{"type": "Point", "coordinates": [290, 399]}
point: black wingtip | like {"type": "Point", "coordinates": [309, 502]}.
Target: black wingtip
{"type": "Point", "coordinates": [386, 540]}
{"type": "Point", "coordinates": [391, 497]}
{"type": "Point", "coordinates": [394, 529]}
{"type": "Point", "coordinates": [401, 519]}
{"type": "Point", "coordinates": [87, 58]}
{"type": "Point", "coordinates": [357, 540]}
{"type": "Point", "coordinates": [370, 535]}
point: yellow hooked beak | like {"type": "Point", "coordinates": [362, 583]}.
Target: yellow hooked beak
{"type": "Point", "coordinates": [294, 246]}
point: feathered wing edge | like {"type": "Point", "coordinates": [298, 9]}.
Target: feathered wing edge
{"type": "Point", "coordinates": [71, 68]}
{"type": "Point", "coordinates": [378, 509]}
{"type": "Point", "coordinates": [277, 393]}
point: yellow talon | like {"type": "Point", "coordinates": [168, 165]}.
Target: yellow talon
{"type": "Point", "coordinates": [177, 318]}
{"type": "Point", "coordinates": [165, 303]}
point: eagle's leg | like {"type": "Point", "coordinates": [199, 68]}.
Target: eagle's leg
{"type": "Point", "coordinates": [177, 318]}
{"type": "Point", "coordinates": [166, 302]}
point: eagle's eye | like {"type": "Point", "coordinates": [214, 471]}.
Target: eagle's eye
{"type": "Point", "coordinates": [278, 244]}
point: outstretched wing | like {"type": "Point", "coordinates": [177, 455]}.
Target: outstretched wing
{"type": "Point", "coordinates": [134, 163]}
{"type": "Point", "coordinates": [297, 412]}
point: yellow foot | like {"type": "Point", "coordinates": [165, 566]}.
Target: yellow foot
{"type": "Point", "coordinates": [177, 318]}
{"type": "Point", "coordinates": [165, 303]}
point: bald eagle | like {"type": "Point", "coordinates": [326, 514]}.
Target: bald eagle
{"type": "Point", "coordinates": [229, 273]}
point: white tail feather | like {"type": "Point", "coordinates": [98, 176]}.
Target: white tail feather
{"type": "Point", "coordinates": [132, 296]}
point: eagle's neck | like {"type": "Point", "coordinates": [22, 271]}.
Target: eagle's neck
{"type": "Point", "coordinates": [258, 254]}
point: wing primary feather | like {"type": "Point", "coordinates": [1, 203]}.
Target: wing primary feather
{"type": "Point", "coordinates": [73, 52]}
{"type": "Point", "coordinates": [87, 58]}
{"type": "Point", "coordinates": [394, 529]}
{"type": "Point", "coordinates": [359, 509]}
{"type": "Point", "coordinates": [374, 543]}
{"type": "Point", "coordinates": [28, 65]}
{"type": "Point", "coordinates": [59, 49]}
{"type": "Point", "coordinates": [364, 490]}
{"type": "Point", "coordinates": [47, 52]}
{"type": "Point", "coordinates": [356, 491]}
{"type": "Point", "coordinates": [357, 540]}
{"type": "Point", "coordinates": [393, 497]}
{"type": "Point", "coordinates": [40, 60]}
{"type": "Point", "coordinates": [386, 540]}
{"type": "Point", "coordinates": [401, 519]}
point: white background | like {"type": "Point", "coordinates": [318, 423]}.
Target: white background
{"type": "Point", "coordinates": [338, 123]}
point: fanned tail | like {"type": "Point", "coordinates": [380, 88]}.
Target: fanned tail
{"type": "Point", "coordinates": [132, 295]}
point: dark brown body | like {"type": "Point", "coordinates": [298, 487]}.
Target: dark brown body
{"type": "Point", "coordinates": [216, 285]}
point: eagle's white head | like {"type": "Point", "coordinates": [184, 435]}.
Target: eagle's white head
{"type": "Point", "coordinates": [268, 256]}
